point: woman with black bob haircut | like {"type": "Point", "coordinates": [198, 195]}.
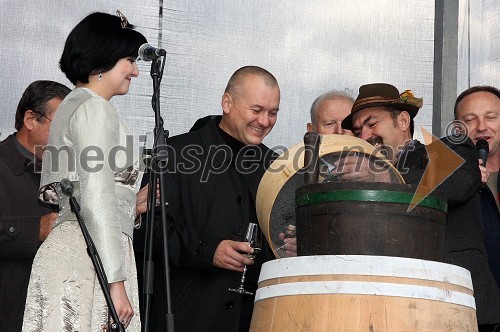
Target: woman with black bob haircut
{"type": "Point", "coordinates": [96, 44]}
{"type": "Point", "coordinates": [64, 293]}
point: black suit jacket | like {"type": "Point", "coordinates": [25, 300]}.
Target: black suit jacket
{"type": "Point", "coordinates": [464, 239]}
{"type": "Point", "coordinates": [491, 223]}
{"type": "Point", "coordinates": [20, 212]}
{"type": "Point", "coordinates": [210, 198]}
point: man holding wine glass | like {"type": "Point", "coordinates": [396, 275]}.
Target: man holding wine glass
{"type": "Point", "coordinates": [213, 176]}
{"type": "Point", "coordinates": [253, 236]}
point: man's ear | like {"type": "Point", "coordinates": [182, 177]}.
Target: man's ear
{"type": "Point", "coordinates": [226, 102]}
{"type": "Point", "coordinates": [29, 118]}
{"type": "Point", "coordinates": [310, 127]}
{"type": "Point", "coordinates": [404, 120]}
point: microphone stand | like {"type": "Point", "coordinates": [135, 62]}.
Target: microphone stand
{"type": "Point", "coordinates": [159, 161]}
{"type": "Point", "coordinates": [67, 188]}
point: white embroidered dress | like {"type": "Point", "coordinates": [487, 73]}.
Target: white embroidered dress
{"type": "Point", "coordinates": [90, 146]}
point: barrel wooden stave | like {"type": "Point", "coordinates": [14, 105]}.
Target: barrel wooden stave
{"type": "Point", "coordinates": [360, 313]}
{"type": "Point", "coordinates": [377, 226]}
{"type": "Point", "coordinates": [363, 293]}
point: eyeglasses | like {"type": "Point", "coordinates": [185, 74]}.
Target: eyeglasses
{"type": "Point", "coordinates": [39, 116]}
{"type": "Point", "coordinates": [46, 117]}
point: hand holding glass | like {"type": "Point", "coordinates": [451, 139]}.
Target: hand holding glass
{"type": "Point", "coordinates": [254, 237]}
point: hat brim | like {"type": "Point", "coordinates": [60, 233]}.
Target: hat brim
{"type": "Point", "coordinates": [411, 109]}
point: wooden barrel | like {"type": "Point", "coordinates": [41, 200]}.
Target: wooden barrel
{"type": "Point", "coordinates": [369, 219]}
{"type": "Point", "coordinates": [275, 201]}
{"type": "Point", "coordinates": [363, 293]}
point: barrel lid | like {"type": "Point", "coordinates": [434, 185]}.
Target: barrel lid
{"type": "Point", "coordinates": [275, 200]}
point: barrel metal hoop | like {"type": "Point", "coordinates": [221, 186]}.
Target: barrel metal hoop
{"type": "Point", "coordinates": [383, 266]}
{"type": "Point", "coordinates": [365, 288]}
{"type": "Point", "coordinates": [379, 196]}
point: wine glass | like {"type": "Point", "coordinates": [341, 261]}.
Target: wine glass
{"type": "Point", "coordinates": [254, 237]}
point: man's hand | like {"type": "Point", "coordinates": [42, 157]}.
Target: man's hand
{"type": "Point", "coordinates": [141, 204]}
{"type": "Point", "coordinates": [357, 169]}
{"type": "Point", "coordinates": [289, 246]}
{"type": "Point", "coordinates": [484, 173]}
{"type": "Point", "coordinates": [46, 223]}
{"type": "Point", "coordinates": [228, 256]}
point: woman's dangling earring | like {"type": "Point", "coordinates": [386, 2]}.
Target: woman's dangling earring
{"type": "Point", "coordinates": [100, 76]}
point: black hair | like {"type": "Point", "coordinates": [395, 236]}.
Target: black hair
{"type": "Point", "coordinates": [96, 44]}
{"type": "Point", "coordinates": [394, 115]}
{"type": "Point", "coordinates": [35, 98]}
{"type": "Point", "coordinates": [478, 88]}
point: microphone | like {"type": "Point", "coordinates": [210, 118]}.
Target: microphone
{"type": "Point", "coordinates": [483, 149]}
{"type": "Point", "coordinates": [149, 53]}
{"type": "Point", "coordinates": [66, 186]}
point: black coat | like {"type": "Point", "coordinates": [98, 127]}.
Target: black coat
{"type": "Point", "coordinates": [491, 223]}
{"type": "Point", "coordinates": [20, 212]}
{"type": "Point", "coordinates": [210, 198]}
{"type": "Point", "coordinates": [464, 239]}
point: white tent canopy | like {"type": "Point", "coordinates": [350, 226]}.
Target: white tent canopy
{"type": "Point", "coordinates": [310, 46]}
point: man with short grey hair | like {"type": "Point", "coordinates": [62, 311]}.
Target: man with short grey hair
{"type": "Point", "coordinates": [328, 111]}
